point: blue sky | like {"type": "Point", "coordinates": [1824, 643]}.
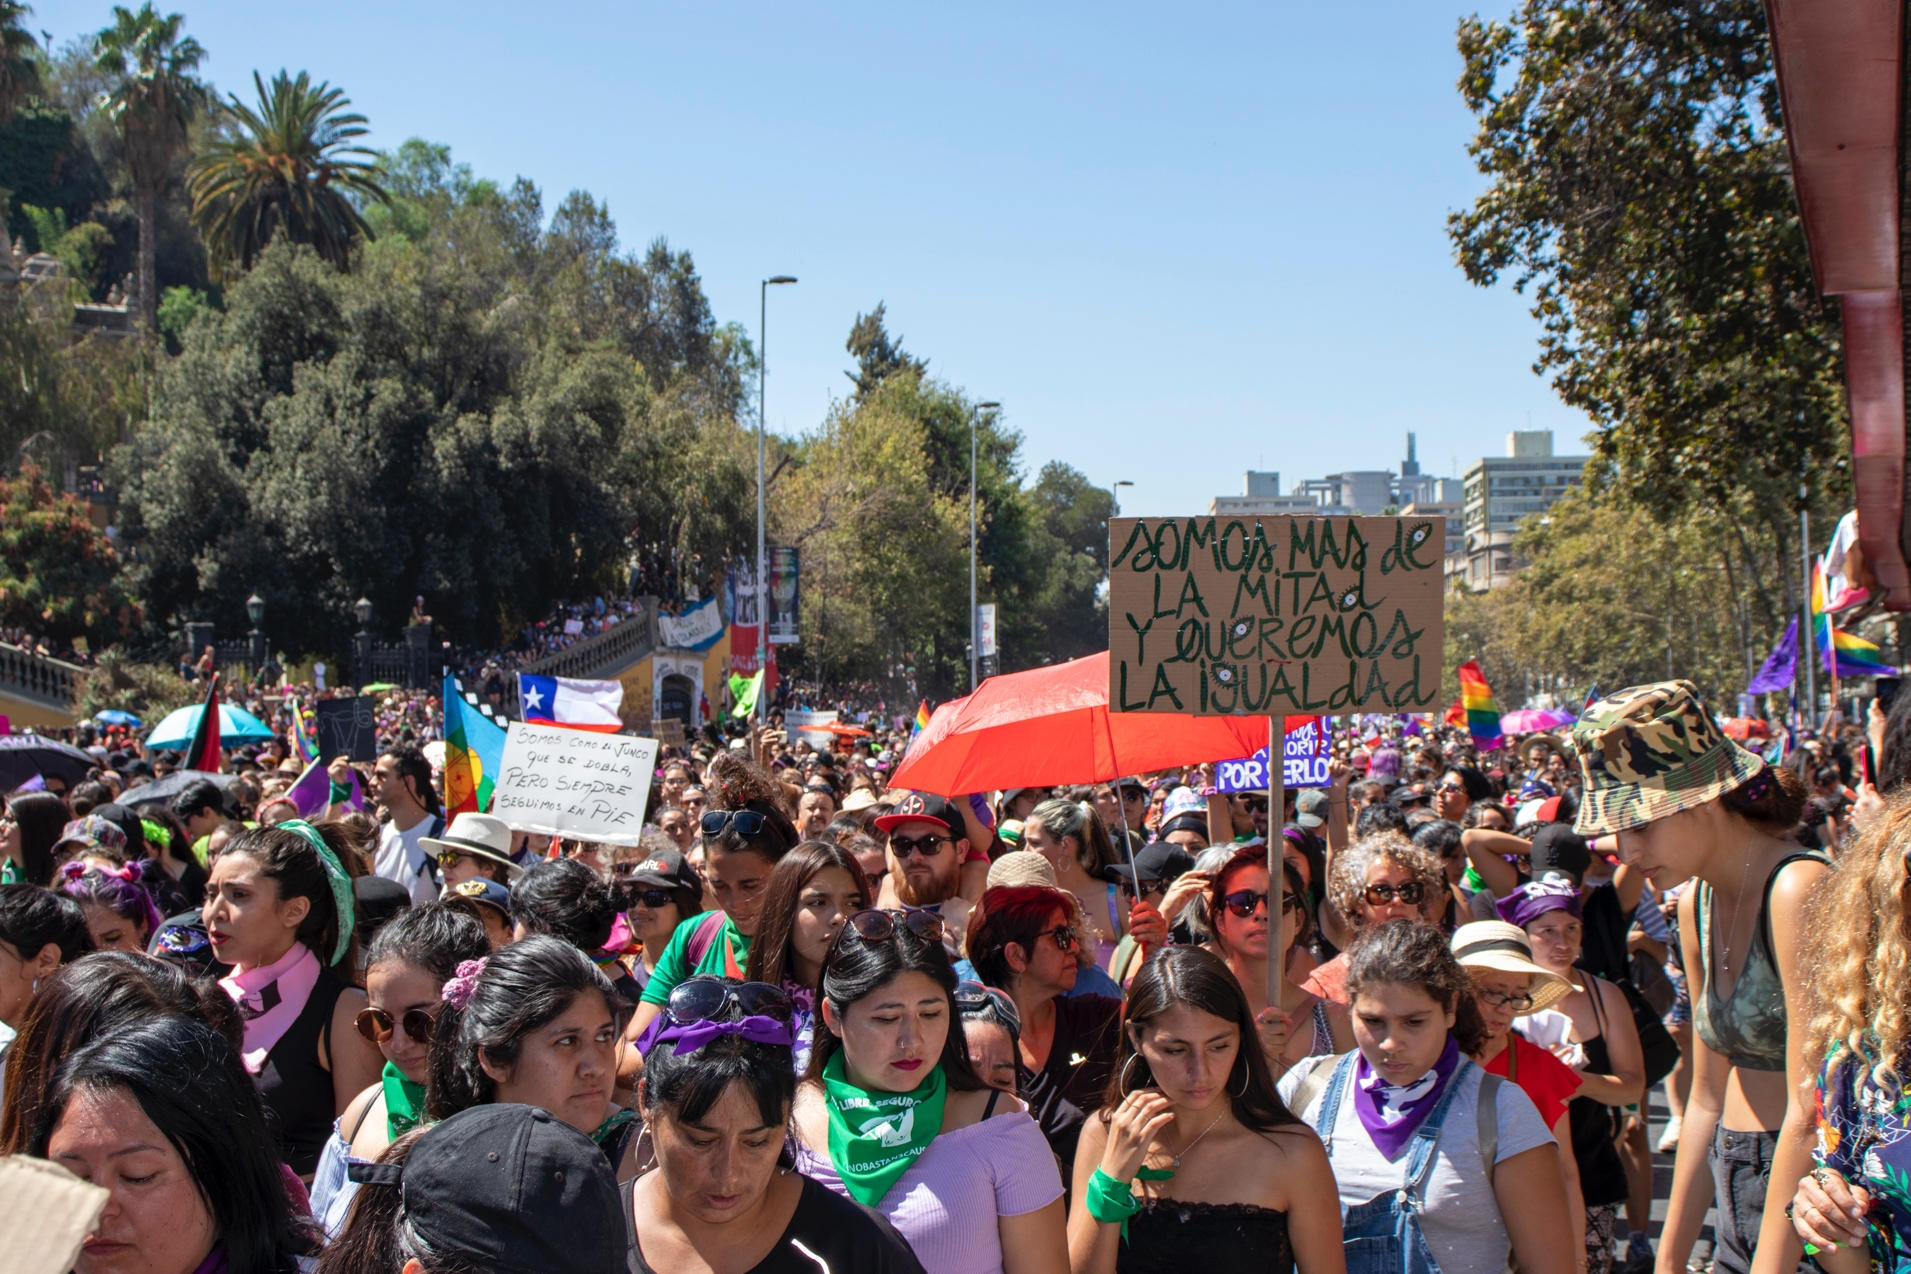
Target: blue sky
{"type": "Point", "coordinates": [1176, 242]}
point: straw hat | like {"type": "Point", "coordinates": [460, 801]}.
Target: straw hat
{"type": "Point", "coordinates": [1021, 867]}
{"type": "Point", "coordinates": [1494, 944]}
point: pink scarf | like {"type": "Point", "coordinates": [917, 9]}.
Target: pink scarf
{"type": "Point", "coordinates": [271, 999]}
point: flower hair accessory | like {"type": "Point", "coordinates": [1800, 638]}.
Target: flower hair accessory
{"type": "Point", "coordinates": [73, 870]}
{"type": "Point", "coordinates": [457, 992]}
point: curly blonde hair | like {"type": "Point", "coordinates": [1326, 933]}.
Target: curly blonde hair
{"type": "Point", "coordinates": [1858, 946]}
{"type": "Point", "coordinates": [1348, 879]}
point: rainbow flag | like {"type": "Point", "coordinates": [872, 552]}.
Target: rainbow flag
{"type": "Point", "coordinates": [1482, 714]}
{"type": "Point", "coordinates": [474, 754]}
{"type": "Point", "coordinates": [304, 735]}
{"type": "Point", "coordinates": [1845, 654]}
{"type": "Point", "coordinates": [922, 719]}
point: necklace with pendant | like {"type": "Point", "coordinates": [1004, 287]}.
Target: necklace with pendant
{"type": "Point", "coordinates": [1197, 1141]}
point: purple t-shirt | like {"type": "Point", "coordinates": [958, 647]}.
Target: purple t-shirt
{"type": "Point", "coordinates": [999, 1167]}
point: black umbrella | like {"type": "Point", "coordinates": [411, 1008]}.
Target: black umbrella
{"type": "Point", "coordinates": [160, 791]}
{"type": "Point", "coordinates": [24, 755]}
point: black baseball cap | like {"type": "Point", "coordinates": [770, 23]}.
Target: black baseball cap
{"type": "Point", "coordinates": [510, 1189]}
{"type": "Point", "coordinates": [1556, 847]}
{"type": "Point", "coordinates": [1163, 860]}
{"type": "Point", "coordinates": [667, 869]}
{"type": "Point", "coordinates": [182, 940]}
{"type": "Point", "coordinates": [925, 806]}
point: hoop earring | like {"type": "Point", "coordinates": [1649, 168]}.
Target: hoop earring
{"type": "Point", "coordinates": [1246, 1075]}
{"type": "Point", "coordinates": [1121, 1085]}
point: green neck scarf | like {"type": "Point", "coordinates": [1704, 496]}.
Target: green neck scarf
{"type": "Point", "coordinates": [612, 1124]}
{"type": "Point", "coordinates": [875, 1136]}
{"type": "Point", "coordinates": [403, 1102]}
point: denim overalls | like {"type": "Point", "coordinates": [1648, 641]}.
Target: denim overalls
{"type": "Point", "coordinates": [1383, 1235]}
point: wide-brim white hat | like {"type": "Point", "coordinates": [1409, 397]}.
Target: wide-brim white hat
{"type": "Point", "coordinates": [1497, 945]}
{"type": "Point", "coordinates": [479, 835]}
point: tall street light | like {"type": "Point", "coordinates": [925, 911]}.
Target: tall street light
{"type": "Point", "coordinates": [975, 642]}
{"type": "Point", "coordinates": [1116, 492]}
{"type": "Point", "coordinates": [762, 605]}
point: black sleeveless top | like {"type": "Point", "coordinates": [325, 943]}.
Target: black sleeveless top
{"type": "Point", "coordinates": [1173, 1237]}
{"type": "Point", "coordinates": [297, 1090]}
{"type": "Point", "coordinates": [1602, 1174]}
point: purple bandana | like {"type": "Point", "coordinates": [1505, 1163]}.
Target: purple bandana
{"type": "Point", "coordinates": [1552, 892]}
{"type": "Point", "coordinates": [688, 1039]}
{"type": "Point", "coordinates": [1392, 1114]}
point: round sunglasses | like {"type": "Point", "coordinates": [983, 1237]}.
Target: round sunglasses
{"type": "Point", "coordinates": [376, 1025]}
{"type": "Point", "coordinates": [1413, 893]}
{"type": "Point", "coordinates": [701, 998]}
{"type": "Point", "coordinates": [747, 822]}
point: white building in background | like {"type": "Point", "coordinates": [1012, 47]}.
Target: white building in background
{"type": "Point", "coordinates": [1357, 492]}
{"type": "Point", "coordinates": [1528, 479]}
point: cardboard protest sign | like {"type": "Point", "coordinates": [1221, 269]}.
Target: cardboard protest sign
{"type": "Point", "coordinates": [668, 731]}
{"type": "Point", "coordinates": [1274, 615]}
{"type": "Point", "coordinates": [1308, 749]}
{"type": "Point", "coordinates": [347, 728]}
{"type": "Point", "coordinates": [574, 783]}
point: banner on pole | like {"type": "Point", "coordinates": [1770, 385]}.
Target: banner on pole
{"type": "Point", "coordinates": [1275, 616]}
{"type": "Point", "coordinates": [985, 630]}
{"type": "Point", "coordinates": [786, 596]}
{"type": "Point", "coordinates": [693, 628]}
{"type": "Point", "coordinates": [1308, 749]}
{"type": "Point", "coordinates": [574, 783]}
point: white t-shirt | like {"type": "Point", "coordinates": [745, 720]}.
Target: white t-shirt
{"type": "Point", "coordinates": [1462, 1218]}
{"type": "Point", "coordinates": [399, 857]}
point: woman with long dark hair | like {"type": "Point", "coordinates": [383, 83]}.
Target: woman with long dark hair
{"type": "Point", "coordinates": [39, 931]}
{"type": "Point", "coordinates": [812, 891]}
{"type": "Point", "coordinates": [716, 1096]}
{"type": "Point", "coordinates": [893, 1115]}
{"type": "Point", "coordinates": [534, 1023]}
{"type": "Point", "coordinates": [1192, 1161]}
{"type": "Point", "coordinates": [29, 830]}
{"type": "Point", "coordinates": [410, 961]}
{"type": "Point", "coordinates": [279, 909]}
{"type": "Point", "coordinates": [1439, 1165]}
{"type": "Point", "coordinates": [1240, 902]}
{"type": "Point", "coordinates": [163, 1116]}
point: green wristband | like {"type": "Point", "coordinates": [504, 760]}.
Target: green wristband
{"type": "Point", "coordinates": [1110, 1201]}
{"type": "Point", "coordinates": [341, 793]}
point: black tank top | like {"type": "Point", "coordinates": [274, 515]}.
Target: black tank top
{"type": "Point", "coordinates": [1172, 1237]}
{"type": "Point", "coordinates": [297, 1090]}
{"type": "Point", "coordinates": [1602, 1175]}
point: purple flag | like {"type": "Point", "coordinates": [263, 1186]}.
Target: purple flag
{"type": "Point", "coordinates": [313, 792]}
{"type": "Point", "coordinates": [1781, 666]}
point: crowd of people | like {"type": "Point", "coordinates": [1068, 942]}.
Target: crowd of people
{"type": "Point", "coordinates": [811, 1020]}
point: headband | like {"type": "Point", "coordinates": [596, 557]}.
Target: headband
{"type": "Point", "coordinates": [1552, 892]}
{"type": "Point", "coordinates": [336, 877]}
{"type": "Point", "coordinates": [689, 1038]}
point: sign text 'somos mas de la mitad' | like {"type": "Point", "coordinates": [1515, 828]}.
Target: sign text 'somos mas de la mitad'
{"type": "Point", "coordinates": [574, 783]}
{"type": "Point", "coordinates": [1275, 615]}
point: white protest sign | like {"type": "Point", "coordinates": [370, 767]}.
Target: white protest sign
{"type": "Point", "coordinates": [574, 783]}
{"type": "Point", "coordinates": [1305, 758]}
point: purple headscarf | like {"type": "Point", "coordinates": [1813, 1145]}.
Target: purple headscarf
{"type": "Point", "coordinates": [1552, 892]}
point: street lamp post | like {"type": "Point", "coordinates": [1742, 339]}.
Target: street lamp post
{"type": "Point", "coordinates": [255, 608]}
{"type": "Point", "coordinates": [362, 643]}
{"type": "Point", "coordinates": [762, 596]}
{"type": "Point", "coordinates": [975, 636]}
{"type": "Point", "coordinates": [1115, 491]}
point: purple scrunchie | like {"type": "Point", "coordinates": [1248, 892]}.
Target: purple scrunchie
{"type": "Point", "coordinates": [457, 991]}
{"type": "Point", "coordinates": [690, 1038]}
{"type": "Point", "coordinates": [1530, 901]}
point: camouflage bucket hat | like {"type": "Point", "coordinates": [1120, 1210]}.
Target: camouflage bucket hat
{"type": "Point", "coordinates": [1650, 751]}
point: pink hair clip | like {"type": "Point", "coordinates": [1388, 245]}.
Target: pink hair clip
{"type": "Point", "coordinates": [457, 992]}
{"type": "Point", "coordinates": [73, 870]}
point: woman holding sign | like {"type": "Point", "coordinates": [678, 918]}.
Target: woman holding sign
{"type": "Point", "coordinates": [1241, 905]}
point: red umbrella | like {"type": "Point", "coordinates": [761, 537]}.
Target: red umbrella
{"type": "Point", "coordinates": [837, 727]}
{"type": "Point", "coordinates": [1052, 725]}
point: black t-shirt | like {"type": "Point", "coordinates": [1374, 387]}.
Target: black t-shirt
{"type": "Point", "coordinates": [1602, 947]}
{"type": "Point", "coordinates": [841, 1234]}
{"type": "Point", "coordinates": [1081, 1061]}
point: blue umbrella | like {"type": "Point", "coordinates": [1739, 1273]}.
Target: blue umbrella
{"type": "Point", "coordinates": [236, 726]}
{"type": "Point", "coordinates": [113, 716]}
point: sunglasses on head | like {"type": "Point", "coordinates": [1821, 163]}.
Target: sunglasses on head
{"type": "Point", "coordinates": [747, 822]}
{"type": "Point", "coordinates": [1413, 893]}
{"type": "Point", "coordinates": [701, 998]}
{"type": "Point", "coordinates": [928, 845]}
{"type": "Point", "coordinates": [881, 926]}
{"type": "Point", "coordinates": [376, 1025]}
{"type": "Point", "coordinates": [973, 997]}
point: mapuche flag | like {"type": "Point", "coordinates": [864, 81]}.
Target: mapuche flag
{"type": "Point", "coordinates": [474, 754]}
{"type": "Point", "coordinates": [1482, 714]}
{"type": "Point", "coordinates": [203, 752]}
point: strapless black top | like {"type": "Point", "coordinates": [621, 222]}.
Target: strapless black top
{"type": "Point", "coordinates": [1173, 1237]}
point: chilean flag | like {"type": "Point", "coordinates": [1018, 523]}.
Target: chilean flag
{"type": "Point", "coordinates": [581, 705]}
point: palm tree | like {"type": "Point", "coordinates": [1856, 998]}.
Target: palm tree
{"type": "Point", "coordinates": [153, 101]}
{"type": "Point", "coordinates": [291, 172]}
{"type": "Point", "coordinates": [19, 68]}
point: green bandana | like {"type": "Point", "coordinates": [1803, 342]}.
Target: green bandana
{"type": "Point", "coordinates": [875, 1136]}
{"type": "Point", "coordinates": [612, 1124]}
{"type": "Point", "coordinates": [403, 1101]}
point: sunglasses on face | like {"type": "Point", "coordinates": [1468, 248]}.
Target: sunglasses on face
{"type": "Point", "coordinates": [1245, 902]}
{"type": "Point", "coordinates": [880, 926]}
{"type": "Point", "coordinates": [703, 997]}
{"type": "Point", "coordinates": [1149, 888]}
{"type": "Point", "coordinates": [747, 822]}
{"type": "Point", "coordinates": [928, 846]}
{"type": "Point", "coordinates": [376, 1025]}
{"type": "Point", "coordinates": [1064, 937]}
{"type": "Point", "coordinates": [450, 857]}
{"type": "Point", "coordinates": [1256, 804]}
{"type": "Point", "coordinates": [1518, 1003]}
{"type": "Point", "coordinates": [655, 899]}
{"type": "Point", "coordinates": [1413, 893]}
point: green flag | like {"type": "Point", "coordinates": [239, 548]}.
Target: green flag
{"type": "Point", "coordinates": [744, 691]}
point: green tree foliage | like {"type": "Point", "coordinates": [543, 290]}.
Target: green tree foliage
{"type": "Point", "coordinates": [59, 575]}
{"type": "Point", "coordinates": [1639, 186]}
{"type": "Point", "coordinates": [148, 691]}
{"type": "Point", "coordinates": [475, 416]}
{"type": "Point", "coordinates": [63, 401]}
{"type": "Point", "coordinates": [291, 170]}
{"type": "Point", "coordinates": [153, 99]}
{"type": "Point", "coordinates": [80, 248]}
{"type": "Point", "coordinates": [19, 61]}
{"type": "Point", "coordinates": [878, 357]}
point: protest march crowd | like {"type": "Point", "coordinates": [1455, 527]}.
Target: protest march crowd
{"type": "Point", "coordinates": [813, 1021]}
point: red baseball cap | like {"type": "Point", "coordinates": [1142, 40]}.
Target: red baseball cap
{"type": "Point", "coordinates": [924, 807]}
